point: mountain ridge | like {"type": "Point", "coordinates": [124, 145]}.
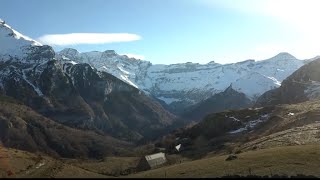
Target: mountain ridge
{"type": "Point", "coordinates": [300, 86]}
{"type": "Point", "coordinates": [229, 99]}
{"type": "Point", "coordinates": [185, 84]}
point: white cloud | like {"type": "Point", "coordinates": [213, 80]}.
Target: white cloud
{"type": "Point", "coordinates": [87, 38]}
{"type": "Point", "coordinates": [136, 56]}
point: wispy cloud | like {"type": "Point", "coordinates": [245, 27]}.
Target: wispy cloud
{"type": "Point", "coordinates": [136, 56]}
{"type": "Point", "coordinates": [87, 38]}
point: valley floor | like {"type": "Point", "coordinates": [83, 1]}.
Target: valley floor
{"type": "Point", "coordinates": [287, 144]}
{"type": "Point", "coordinates": [286, 160]}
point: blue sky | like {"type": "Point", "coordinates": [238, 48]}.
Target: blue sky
{"type": "Point", "coordinates": [172, 31]}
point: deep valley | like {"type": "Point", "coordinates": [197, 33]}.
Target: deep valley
{"type": "Point", "coordinates": [102, 115]}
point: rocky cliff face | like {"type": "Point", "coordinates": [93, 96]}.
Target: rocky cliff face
{"type": "Point", "coordinates": [302, 85]}
{"type": "Point", "coordinates": [179, 86]}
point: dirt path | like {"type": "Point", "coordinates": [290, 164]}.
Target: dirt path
{"type": "Point", "coordinates": [53, 168]}
{"type": "Point", "coordinates": [46, 168]}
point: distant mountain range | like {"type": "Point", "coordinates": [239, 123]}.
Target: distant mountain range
{"type": "Point", "coordinates": [180, 86]}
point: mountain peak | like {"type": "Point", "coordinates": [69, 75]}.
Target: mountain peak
{"type": "Point", "coordinates": [284, 55]}
{"type": "Point", "coordinates": [7, 32]}
{"type": "Point", "coordinates": [110, 52]}
{"type": "Point", "coordinates": [229, 89]}
{"type": "Point", "coordinates": [70, 51]}
{"type": "Point", "coordinates": [14, 45]}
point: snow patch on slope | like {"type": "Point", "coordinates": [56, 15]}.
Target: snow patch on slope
{"type": "Point", "coordinates": [169, 100]}
{"type": "Point", "coordinates": [251, 124]}
{"type": "Point", "coordinates": [36, 89]}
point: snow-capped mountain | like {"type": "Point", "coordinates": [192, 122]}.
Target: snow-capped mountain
{"type": "Point", "coordinates": [176, 85]}
{"type": "Point", "coordinates": [127, 69]}
{"type": "Point", "coordinates": [24, 55]}
{"type": "Point", "coordinates": [185, 84]}
{"type": "Point", "coordinates": [17, 47]}
{"type": "Point", "coordinates": [76, 94]}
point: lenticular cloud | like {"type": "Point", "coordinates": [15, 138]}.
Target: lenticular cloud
{"type": "Point", "coordinates": [87, 38]}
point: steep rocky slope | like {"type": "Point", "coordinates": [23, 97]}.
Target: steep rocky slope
{"type": "Point", "coordinates": [237, 131]}
{"type": "Point", "coordinates": [302, 85]}
{"type": "Point", "coordinates": [76, 95]}
{"type": "Point", "coordinates": [228, 99]}
{"type": "Point", "coordinates": [22, 128]}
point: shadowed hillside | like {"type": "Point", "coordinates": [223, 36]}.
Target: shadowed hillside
{"type": "Point", "coordinates": [22, 128]}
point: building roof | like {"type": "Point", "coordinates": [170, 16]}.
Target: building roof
{"type": "Point", "coordinates": [178, 147]}
{"type": "Point", "coordinates": [156, 159]}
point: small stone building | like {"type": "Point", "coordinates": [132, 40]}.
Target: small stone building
{"type": "Point", "coordinates": [151, 161]}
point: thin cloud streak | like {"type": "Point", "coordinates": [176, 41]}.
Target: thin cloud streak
{"type": "Point", "coordinates": [87, 38]}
